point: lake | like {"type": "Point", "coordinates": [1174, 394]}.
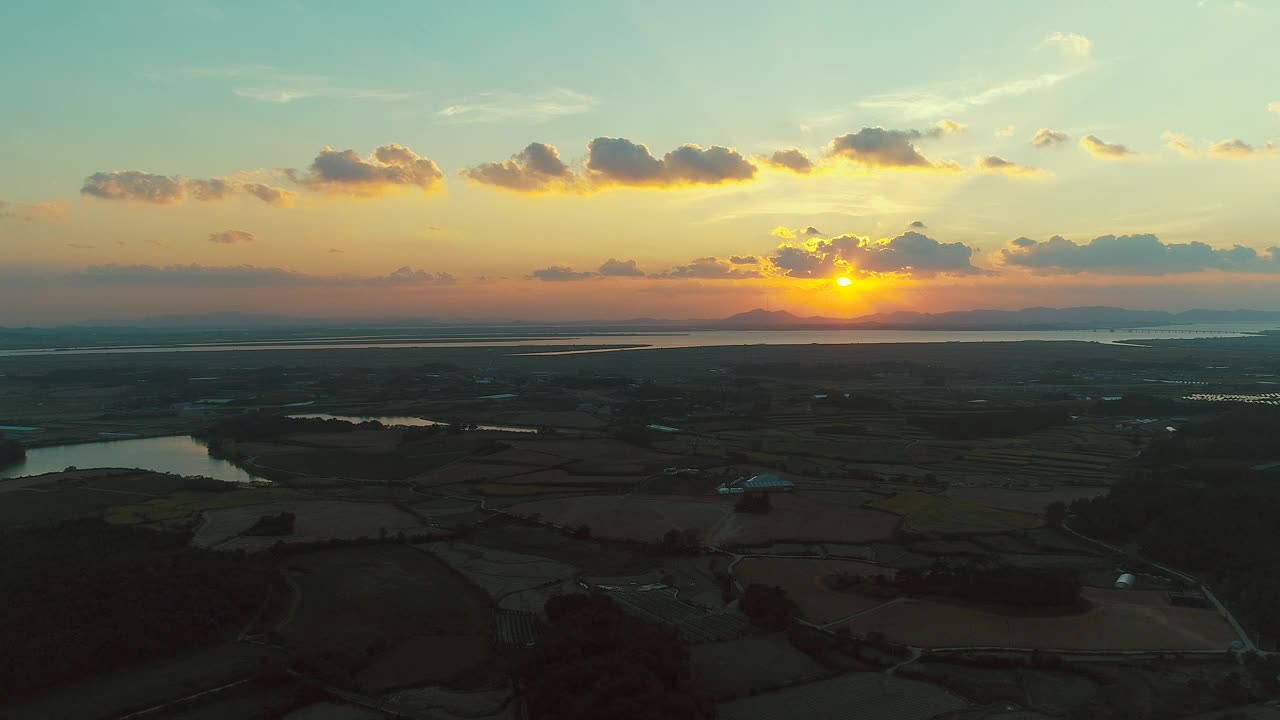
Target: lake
{"type": "Point", "coordinates": [406, 421]}
{"type": "Point", "coordinates": [694, 338]}
{"type": "Point", "coordinates": [178, 454]}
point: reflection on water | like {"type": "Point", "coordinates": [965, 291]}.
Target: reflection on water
{"type": "Point", "coordinates": [178, 454]}
{"type": "Point", "coordinates": [405, 421]}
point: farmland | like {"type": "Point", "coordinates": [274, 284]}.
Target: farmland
{"type": "Point", "coordinates": [869, 695]}
{"type": "Point", "coordinates": [803, 579]}
{"type": "Point", "coordinates": [1116, 620]}
{"type": "Point", "coordinates": [317, 520]}
{"type": "Point", "coordinates": [628, 518]}
{"type": "Point", "coordinates": [430, 625]}
{"type": "Point", "coordinates": [418, 562]}
{"type": "Point", "coordinates": [928, 514]}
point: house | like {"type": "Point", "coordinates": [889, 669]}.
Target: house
{"type": "Point", "coordinates": [766, 482]}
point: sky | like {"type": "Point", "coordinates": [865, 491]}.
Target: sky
{"type": "Point", "coordinates": [608, 160]}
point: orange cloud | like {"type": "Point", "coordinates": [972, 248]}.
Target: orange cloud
{"type": "Point", "coordinates": [1098, 148]}
{"type": "Point", "coordinates": [32, 212]}
{"type": "Point", "coordinates": [994, 164]}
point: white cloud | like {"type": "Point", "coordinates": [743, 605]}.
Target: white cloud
{"type": "Point", "coordinates": [266, 83]}
{"type": "Point", "coordinates": [1274, 106]}
{"type": "Point", "coordinates": [1006, 132]}
{"type": "Point", "coordinates": [1069, 44]}
{"type": "Point", "coordinates": [539, 107]}
{"type": "Point", "coordinates": [952, 100]}
{"type": "Point", "coordinates": [290, 93]}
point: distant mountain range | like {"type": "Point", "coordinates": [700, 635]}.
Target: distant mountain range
{"type": "Point", "coordinates": [1036, 318]}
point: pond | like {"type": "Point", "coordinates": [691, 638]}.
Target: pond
{"type": "Point", "coordinates": [178, 454]}
{"type": "Point", "coordinates": [405, 421]}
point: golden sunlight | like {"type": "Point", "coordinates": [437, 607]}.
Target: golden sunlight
{"type": "Point", "coordinates": [844, 281]}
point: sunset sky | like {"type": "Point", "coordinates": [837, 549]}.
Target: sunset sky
{"type": "Point", "coordinates": [581, 160]}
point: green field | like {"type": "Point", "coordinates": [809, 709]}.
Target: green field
{"type": "Point", "coordinates": [182, 509]}
{"type": "Point", "coordinates": [926, 513]}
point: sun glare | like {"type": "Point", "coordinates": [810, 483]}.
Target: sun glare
{"type": "Point", "coordinates": [844, 281]}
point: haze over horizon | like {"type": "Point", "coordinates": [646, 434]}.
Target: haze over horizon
{"type": "Point", "coordinates": [608, 162]}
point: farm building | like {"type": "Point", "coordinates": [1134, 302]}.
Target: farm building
{"type": "Point", "coordinates": [767, 482]}
{"type": "Point", "coordinates": [1124, 582]}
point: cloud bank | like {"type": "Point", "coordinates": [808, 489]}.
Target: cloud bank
{"type": "Point", "coordinates": [390, 168]}
{"type": "Point", "coordinates": [791, 159]}
{"type": "Point", "coordinates": [34, 212]}
{"type": "Point", "coordinates": [1134, 255]}
{"type": "Point", "coordinates": [536, 168]}
{"type": "Point", "coordinates": [876, 147]}
{"type": "Point", "coordinates": [148, 188]}
{"type": "Point", "coordinates": [910, 253]}
{"type": "Point", "coordinates": [243, 276]}
{"type": "Point", "coordinates": [232, 237]}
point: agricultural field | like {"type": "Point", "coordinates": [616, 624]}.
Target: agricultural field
{"type": "Point", "coordinates": [929, 514]}
{"type": "Point", "coordinates": [54, 497]}
{"type": "Point", "coordinates": [1116, 620]}
{"type": "Point", "coordinates": [316, 521]}
{"type": "Point", "coordinates": [429, 624]}
{"type": "Point", "coordinates": [146, 685]}
{"type": "Point", "coordinates": [869, 695]}
{"type": "Point", "coordinates": [797, 517]}
{"type": "Point", "coordinates": [185, 509]}
{"type": "Point", "coordinates": [1025, 501]}
{"type": "Point", "coordinates": [1053, 692]}
{"type": "Point", "coordinates": [471, 470]}
{"type": "Point", "coordinates": [333, 711]}
{"type": "Point", "coordinates": [802, 578]}
{"type": "Point", "coordinates": [593, 559]}
{"type": "Point", "coordinates": [629, 518]}
{"type": "Point", "coordinates": [749, 665]}
{"type": "Point", "coordinates": [443, 704]}
{"type": "Point", "coordinates": [508, 577]}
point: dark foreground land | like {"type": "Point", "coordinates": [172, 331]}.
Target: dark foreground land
{"type": "Point", "coordinates": [957, 518]}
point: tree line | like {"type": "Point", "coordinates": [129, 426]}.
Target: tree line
{"type": "Point", "coordinates": [598, 662]}
{"type": "Point", "coordinates": [1218, 524]}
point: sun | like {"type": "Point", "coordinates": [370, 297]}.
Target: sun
{"type": "Point", "coordinates": [844, 281]}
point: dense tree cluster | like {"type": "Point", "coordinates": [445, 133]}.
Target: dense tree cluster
{"type": "Point", "coordinates": [768, 606]}
{"type": "Point", "coordinates": [273, 525]}
{"type": "Point", "coordinates": [983, 582]}
{"type": "Point", "coordinates": [11, 452]}
{"type": "Point", "coordinates": [1027, 588]}
{"type": "Point", "coordinates": [85, 597]}
{"type": "Point", "coordinates": [996, 423]}
{"type": "Point", "coordinates": [1246, 433]}
{"type": "Point", "coordinates": [1220, 525]}
{"type": "Point", "coordinates": [262, 426]}
{"type": "Point", "coordinates": [676, 542]}
{"type": "Point", "coordinates": [598, 662]}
